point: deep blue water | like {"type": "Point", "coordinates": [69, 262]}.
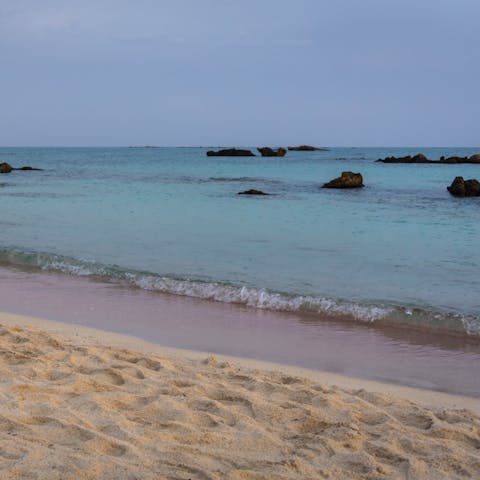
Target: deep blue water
{"type": "Point", "coordinates": [400, 249]}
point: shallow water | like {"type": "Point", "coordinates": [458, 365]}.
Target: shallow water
{"type": "Point", "coordinates": [399, 250]}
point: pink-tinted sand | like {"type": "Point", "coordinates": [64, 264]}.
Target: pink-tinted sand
{"type": "Point", "coordinates": [396, 355]}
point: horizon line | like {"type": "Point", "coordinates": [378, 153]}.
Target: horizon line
{"type": "Point", "coordinates": [233, 146]}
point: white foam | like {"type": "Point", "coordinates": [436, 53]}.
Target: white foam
{"type": "Point", "coordinates": [249, 296]}
{"type": "Point", "coordinates": [259, 298]}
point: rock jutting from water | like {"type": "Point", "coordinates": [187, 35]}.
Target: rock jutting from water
{"type": "Point", "coordinates": [347, 180]}
{"type": "Point", "coordinates": [307, 148]}
{"type": "Point", "coordinates": [270, 152]}
{"type": "Point", "coordinates": [230, 152]}
{"type": "Point", "coordinates": [7, 168]}
{"type": "Point", "coordinates": [420, 158]}
{"type": "Point", "coordinates": [464, 188]}
{"type": "Point", "coordinates": [253, 192]}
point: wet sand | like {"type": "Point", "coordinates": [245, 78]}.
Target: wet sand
{"type": "Point", "coordinates": [393, 355]}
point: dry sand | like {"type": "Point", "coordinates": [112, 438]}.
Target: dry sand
{"type": "Point", "coordinates": [77, 404]}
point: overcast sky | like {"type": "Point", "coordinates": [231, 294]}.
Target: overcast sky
{"type": "Point", "coordinates": [240, 72]}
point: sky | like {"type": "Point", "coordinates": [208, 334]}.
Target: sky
{"type": "Point", "coordinates": [239, 72]}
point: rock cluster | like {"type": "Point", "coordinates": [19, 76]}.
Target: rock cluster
{"type": "Point", "coordinates": [473, 159]}
{"type": "Point", "coordinates": [420, 158]}
{"type": "Point", "coordinates": [464, 188]}
{"type": "Point", "coordinates": [265, 151]}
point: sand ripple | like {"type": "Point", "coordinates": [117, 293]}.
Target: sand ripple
{"type": "Point", "coordinates": [70, 410]}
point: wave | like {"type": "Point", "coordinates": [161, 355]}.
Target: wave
{"type": "Point", "coordinates": [245, 295]}
{"type": "Point", "coordinates": [264, 181]}
{"type": "Point", "coordinates": [235, 179]}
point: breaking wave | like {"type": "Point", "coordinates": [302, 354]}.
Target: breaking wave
{"type": "Point", "coordinates": [245, 295]}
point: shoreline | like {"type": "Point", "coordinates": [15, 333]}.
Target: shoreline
{"type": "Point", "coordinates": [398, 356]}
{"type": "Point", "coordinates": [382, 314]}
{"type": "Point", "coordinates": [87, 335]}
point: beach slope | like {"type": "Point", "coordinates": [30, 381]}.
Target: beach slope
{"type": "Point", "coordinates": [74, 408]}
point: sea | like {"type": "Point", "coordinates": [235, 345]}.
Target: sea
{"type": "Point", "coordinates": [400, 251]}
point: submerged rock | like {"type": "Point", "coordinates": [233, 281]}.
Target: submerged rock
{"type": "Point", "coordinates": [29, 169]}
{"type": "Point", "coordinates": [253, 192]}
{"type": "Point", "coordinates": [270, 152]}
{"type": "Point", "coordinates": [5, 167]}
{"type": "Point", "coordinates": [464, 188]}
{"type": "Point", "coordinates": [306, 148]}
{"type": "Point", "coordinates": [230, 152]}
{"type": "Point", "coordinates": [347, 180]}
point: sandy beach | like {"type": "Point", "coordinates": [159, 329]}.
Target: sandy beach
{"type": "Point", "coordinates": [84, 404]}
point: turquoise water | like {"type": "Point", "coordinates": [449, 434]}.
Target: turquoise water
{"type": "Point", "coordinates": [169, 219]}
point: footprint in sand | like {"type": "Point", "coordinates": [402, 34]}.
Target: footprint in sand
{"type": "Point", "coordinates": [420, 420]}
{"type": "Point", "coordinates": [142, 361]}
{"type": "Point", "coordinates": [64, 433]}
{"type": "Point", "coordinates": [104, 375]}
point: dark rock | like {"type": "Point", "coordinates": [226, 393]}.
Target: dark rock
{"type": "Point", "coordinates": [230, 152]}
{"type": "Point", "coordinates": [5, 167]}
{"type": "Point", "coordinates": [270, 152]}
{"type": "Point", "coordinates": [28, 169]}
{"type": "Point", "coordinates": [472, 188]}
{"type": "Point", "coordinates": [253, 192]}
{"type": "Point", "coordinates": [457, 188]}
{"type": "Point", "coordinates": [347, 180]}
{"type": "Point", "coordinates": [452, 160]}
{"type": "Point", "coordinates": [306, 148]}
{"type": "Point", "coordinates": [464, 188]}
{"type": "Point", "coordinates": [420, 158]}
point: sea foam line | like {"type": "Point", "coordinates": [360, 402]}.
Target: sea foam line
{"type": "Point", "coordinates": [244, 295]}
